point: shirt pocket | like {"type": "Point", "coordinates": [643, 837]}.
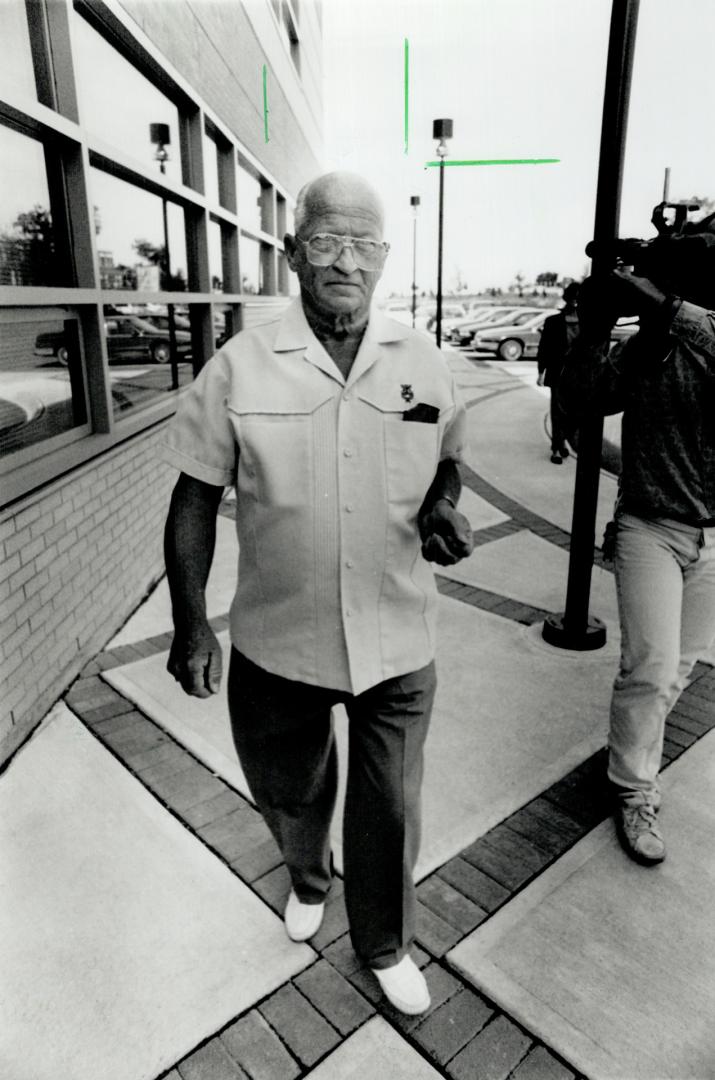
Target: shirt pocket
{"type": "Point", "coordinates": [276, 451]}
{"type": "Point", "coordinates": [411, 454]}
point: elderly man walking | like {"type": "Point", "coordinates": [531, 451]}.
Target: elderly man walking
{"type": "Point", "coordinates": [341, 431]}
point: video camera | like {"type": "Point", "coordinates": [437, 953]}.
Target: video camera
{"type": "Point", "coordinates": [679, 260]}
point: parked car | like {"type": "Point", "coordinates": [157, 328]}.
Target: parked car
{"type": "Point", "coordinates": [517, 340]}
{"type": "Point", "coordinates": [128, 338]}
{"type": "Point", "coordinates": [462, 330]}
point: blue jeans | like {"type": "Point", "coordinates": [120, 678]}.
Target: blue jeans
{"type": "Point", "coordinates": [665, 579]}
{"type": "Point", "coordinates": [284, 738]}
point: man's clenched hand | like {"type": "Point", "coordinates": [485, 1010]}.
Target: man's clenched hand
{"type": "Point", "coordinates": [446, 535]}
{"type": "Point", "coordinates": [195, 661]}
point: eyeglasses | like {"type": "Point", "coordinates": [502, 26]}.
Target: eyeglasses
{"type": "Point", "coordinates": [324, 249]}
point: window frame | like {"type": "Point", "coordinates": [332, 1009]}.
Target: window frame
{"type": "Point", "coordinates": [54, 119]}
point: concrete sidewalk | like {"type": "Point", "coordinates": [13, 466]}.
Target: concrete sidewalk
{"type": "Point", "coordinates": [140, 924]}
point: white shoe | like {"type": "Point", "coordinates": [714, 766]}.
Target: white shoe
{"type": "Point", "coordinates": [302, 920]}
{"type": "Point", "coordinates": [404, 986]}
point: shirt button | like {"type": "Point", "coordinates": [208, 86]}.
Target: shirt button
{"type": "Point", "coordinates": [348, 612]}
{"type": "Point", "coordinates": [349, 508]}
{"type": "Point", "coordinates": [346, 397]}
{"type": "Point", "coordinates": [349, 563]}
{"type": "Point", "coordinates": [347, 453]}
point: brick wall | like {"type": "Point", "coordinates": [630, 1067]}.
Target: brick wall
{"type": "Point", "coordinates": [76, 558]}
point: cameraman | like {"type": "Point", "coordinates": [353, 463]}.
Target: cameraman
{"type": "Point", "coordinates": [663, 380]}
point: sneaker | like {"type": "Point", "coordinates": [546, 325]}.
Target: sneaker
{"type": "Point", "coordinates": [302, 920]}
{"type": "Point", "coordinates": [638, 831]}
{"type": "Point", "coordinates": [404, 986]}
{"type": "Point", "coordinates": [556, 458]}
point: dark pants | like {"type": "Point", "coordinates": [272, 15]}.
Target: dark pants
{"type": "Point", "coordinates": [559, 431]}
{"type": "Point", "coordinates": [284, 737]}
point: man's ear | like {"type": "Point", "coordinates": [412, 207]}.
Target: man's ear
{"type": "Point", "coordinates": [291, 250]}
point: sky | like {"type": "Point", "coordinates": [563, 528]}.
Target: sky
{"type": "Point", "coordinates": [520, 79]}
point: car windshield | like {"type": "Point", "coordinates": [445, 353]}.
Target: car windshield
{"type": "Point", "coordinates": [525, 317]}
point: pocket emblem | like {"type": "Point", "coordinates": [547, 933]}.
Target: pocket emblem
{"type": "Point", "coordinates": [408, 393]}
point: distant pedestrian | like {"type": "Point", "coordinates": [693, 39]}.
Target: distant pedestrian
{"type": "Point", "coordinates": [341, 431]}
{"type": "Point", "coordinates": [557, 336]}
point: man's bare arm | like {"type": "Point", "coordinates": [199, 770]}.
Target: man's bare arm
{"type": "Point", "coordinates": [189, 541]}
{"type": "Point", "coordinates": [445, 533]}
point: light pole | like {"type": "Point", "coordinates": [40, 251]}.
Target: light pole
{"type": "Point", "coordinates": [441, 130]}
{"type": "Point", "coordinates": [160, 136]}
{"type": "Point", "coordinates": [414, 203]}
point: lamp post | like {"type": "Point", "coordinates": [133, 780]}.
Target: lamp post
{"type": "Point", "coordinates": [414, 203]}
{"type": "Point", "coordinates": [160, 137]}
{"type": "Point", "coordinates": [441, 130]}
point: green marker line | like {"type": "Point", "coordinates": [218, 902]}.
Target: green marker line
{"type": "Point", "coordinates": [407, 93]}
{"type": "Point", "coordinates": [265, 105]}
{"type": "Point", "coordinates": [497, 161]}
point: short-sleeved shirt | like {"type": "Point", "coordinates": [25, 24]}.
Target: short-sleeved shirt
{"type": "Point", "coordinates": [330, 474]}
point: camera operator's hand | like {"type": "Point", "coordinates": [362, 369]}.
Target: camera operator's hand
{"type": "Point", "coordinates": [637, 295]}
{"type": "Point", "coordinates": [597, 307]}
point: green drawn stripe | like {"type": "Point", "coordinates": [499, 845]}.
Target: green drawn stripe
{"type": "Point", "coordinates": [407, 93]}
{"type": "Point", "coordinates": [265, 106]}
{"type": "Point", "coordinates": [497, 161]}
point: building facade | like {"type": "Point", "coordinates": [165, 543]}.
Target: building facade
{"type": "Point", "coordinates": [151, 156]}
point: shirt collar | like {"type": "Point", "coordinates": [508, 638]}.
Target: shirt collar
{"type": "Point", "coordinates": [295, 333]}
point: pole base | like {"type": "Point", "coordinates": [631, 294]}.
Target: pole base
{"type": "Point", "coordinates": [582, 639]}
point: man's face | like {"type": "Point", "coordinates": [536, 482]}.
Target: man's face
{"type": "Point", "coordinates": [340, 289]}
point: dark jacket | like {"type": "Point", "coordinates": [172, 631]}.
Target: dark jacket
{"type": "Point", "coordinates": [553, 346]}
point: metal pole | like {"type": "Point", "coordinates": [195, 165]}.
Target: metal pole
{"type": "Point", "coordinates": [414, 268]}
{"type": "Point", "coordinates": [439, 254]}
{"type": "Point", "coordinates": [574, 629]}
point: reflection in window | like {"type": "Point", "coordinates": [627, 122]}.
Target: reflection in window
{"type": "Point", "coordinates": [249, 254]}
{"type": "Point", "coordinates": [139, 346]}
{"type": "Point", "coordinates": [131, 240]}
{"type": "Point", "coordinates": [41, 383]}
{"type": "Point", "coordinates": [249, 199]}
{"type": "Point", "coordinates": [118, 104]}
{"type": "Point", "coordinates": [27, 245]}
{"type": "Point", "coordinates": [16, 70]}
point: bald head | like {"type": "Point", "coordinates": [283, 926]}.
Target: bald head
{"type": "Point", "coordinates": [337, 193]}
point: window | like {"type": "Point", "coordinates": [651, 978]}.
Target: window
{"type": "Point", "coordinates": [249, 254]}
{"type": "Point", "coordinates": [28, 254]}
{"type": "Point", "coordinates": [42, 392]}
{"type": "Point", "coordinates": [211, 169]}
{"type": "Point", "coordinates": [216, 256]}
{"type": "Point", "coordinates": [128, 285]}
{"type": "Point", "coordinates": [119, 105]}
{"type": "Point", "coordinates": [139, 347]}
{"type": "Point", "coordinates": [132, 241]}
{"type": "Point", "coordinates": [290, 35]}
{"type": "Point", "coordinates": [17, 74]}
{"type": "Point", "coordinates": [250, 199]}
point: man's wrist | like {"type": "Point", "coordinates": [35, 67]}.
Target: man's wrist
{"type": "Point", "coordinates": [446, 498]}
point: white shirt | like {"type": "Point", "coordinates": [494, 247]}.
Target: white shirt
{"type": "Point", "coordinates": [332, 586]}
